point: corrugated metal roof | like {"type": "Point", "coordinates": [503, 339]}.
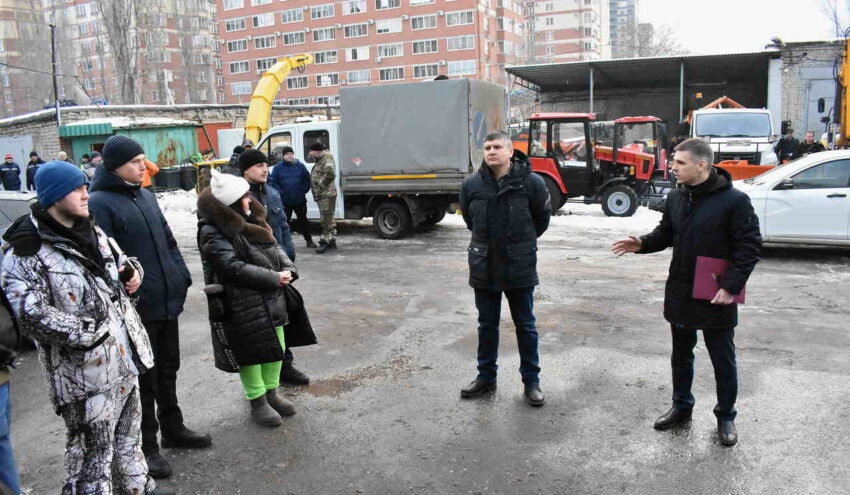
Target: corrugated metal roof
{"type": "Point", "coordinates": [643, 71]}
{"type": "Point", "coordinates": [85, 130]}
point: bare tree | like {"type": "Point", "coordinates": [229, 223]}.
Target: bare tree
{"type": "Point", "coordinates": [647, 41]}
{"type": "Point", "coordinates": [120, 18]}
{"type": "Point", "coordinates": [837, 13]}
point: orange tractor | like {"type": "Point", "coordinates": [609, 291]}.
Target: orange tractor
{"type": "Point", "coordinates": [631, 172]}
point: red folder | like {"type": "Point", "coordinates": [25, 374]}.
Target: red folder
{"type": "Point", "coordinates": [706, 279]}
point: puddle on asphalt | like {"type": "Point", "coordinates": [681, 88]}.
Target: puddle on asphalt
{"type": "Point", "coordinates": [333, 387]}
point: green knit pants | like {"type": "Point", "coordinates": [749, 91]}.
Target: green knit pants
{"type": "Point", "coordinates": [257, 379]}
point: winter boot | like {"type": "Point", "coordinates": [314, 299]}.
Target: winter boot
{"type": "Point", "coordinates": [263, 414]}
{"type": "Point", "coordinates": [289, 375]}
{"type": "Point", "coordinates": [311, 244]}
{"type": "Point", "coordinates": [323, 246]}
{"type": "Point", "coordinates": [279, 404]}
{"type": "Point", "coordinates": [332, 244]}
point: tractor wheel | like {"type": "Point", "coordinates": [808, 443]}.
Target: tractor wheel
{"type": "Point", "coordinates": [434, 218]}
{"type": "Point", "coordinates": [392, 220]}
{"type": "Point", "coordinates": [619, 201]}
{"type": "Point", "coordinates": [555, 197]}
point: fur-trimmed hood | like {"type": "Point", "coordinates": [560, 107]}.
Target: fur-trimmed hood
{"type": "Point", "coordinates": [230, 223]}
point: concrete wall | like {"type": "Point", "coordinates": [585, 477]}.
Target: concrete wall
{"type": "Point", "coordinates": [807, 74]}
{"type": "Point", "coordinates": [41, 126]}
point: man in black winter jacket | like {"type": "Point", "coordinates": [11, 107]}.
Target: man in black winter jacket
{"type": "Point", "coordinates": [507, 208]}
{"type": "Point", "coordinates": [131, 215]}
{"type": "Point", "coordinates": [703, 217]}
{"type": "Point", "coordinates": [32, 168]}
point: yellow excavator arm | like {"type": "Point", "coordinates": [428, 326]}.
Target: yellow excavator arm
{"type": "Point", "coordinates": [842, 101]}
{"type": "Point", "coordinates": [259, 111]}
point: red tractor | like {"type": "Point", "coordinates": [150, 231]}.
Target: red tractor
{"type": "Point", "coordinates": [632, 171]}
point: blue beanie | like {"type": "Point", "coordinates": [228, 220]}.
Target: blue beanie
{"type": "Point", "coordinates": [54, 180]}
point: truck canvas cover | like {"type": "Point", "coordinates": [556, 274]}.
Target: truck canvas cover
{"type": "Point", "coordinates": [433, 128]}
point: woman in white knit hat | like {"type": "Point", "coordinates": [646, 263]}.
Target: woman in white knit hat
{"type": "Point", "coordinates": [245, 271]}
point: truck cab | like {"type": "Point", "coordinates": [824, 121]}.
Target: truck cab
{"type": "Point", "coordinates": [300, 137]}
{"type": "Point", "coordinates": [737, 134]}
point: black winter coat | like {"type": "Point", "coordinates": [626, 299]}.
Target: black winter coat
{"type": "Point", "coordinates": [241, 261]}
{"type": "Point", "coordinates": [32, 168]}
{"type": "Point", "coordinates": [131, 216]}
{"type": "Point", "coordinates": [711, 219]}
{"type": "Point", "coordinates": [506, 218]}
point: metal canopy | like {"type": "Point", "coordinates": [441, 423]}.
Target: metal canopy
{"type": "Point", "coordinates": [643, 72]}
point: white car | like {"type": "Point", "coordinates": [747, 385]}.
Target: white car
{"type": "Point", "coordinates": [806, 201]}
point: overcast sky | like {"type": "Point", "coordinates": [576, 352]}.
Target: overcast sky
{"type": "Point", "coordinates": [724, 26]}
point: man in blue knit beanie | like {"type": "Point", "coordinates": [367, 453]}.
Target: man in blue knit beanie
{"type": "Point", "coordinates": [69, 287]}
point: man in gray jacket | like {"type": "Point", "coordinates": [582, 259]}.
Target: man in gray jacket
{"type": "Point", "coordinates": [68, 285]}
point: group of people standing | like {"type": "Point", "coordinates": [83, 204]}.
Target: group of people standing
{"type": "Point", "coordinates": [790, 148]}
{"type": "Point", "coordinates": [10, 171]}
{"type": "Point", "coordinates": [96, 278]}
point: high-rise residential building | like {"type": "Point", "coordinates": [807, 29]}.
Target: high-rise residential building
{"type": "Point", "coordinates": [568, 30]}
{"type": "Point", "coordinates": [624, 28]}
{"type": "Point", "coordinates": [366, 42]}
{"type": "Point", "coordinates": [115, 51]}
{"type": "Point", "coordinates": [21, 29]}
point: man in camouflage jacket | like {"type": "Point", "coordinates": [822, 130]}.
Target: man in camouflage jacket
{"type": "Point", "coordinates": [323, 178]}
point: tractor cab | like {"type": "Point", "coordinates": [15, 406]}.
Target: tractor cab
{"type": "Point", "coordinates": [643, 135]}
{"type": "Point", "coordinates": [560, 150]}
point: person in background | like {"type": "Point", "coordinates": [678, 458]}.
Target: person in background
{"type": "Point", "coordinates": [10, 174]}
{"type": "Point", "coordinates": [292, 180]}
{"type": "Point", "coordinates": [32, 168]}
{"type": "Point", "coordinates": [151, 169]}
{"type": "Point", "coordinates": [809, 146]}
{"type": "Point", "coordinates": [786, 147]}
{"type": "Point", "coordinates": [10, 342]}
{"type": "Point", "coordinates": [322, 181]}
{"type": "Point", "coordinates": [232, 167]}
{"type": "Point", "coordinates": [62, 156]}
{"type": "Point", "coordinates": [91, 166]}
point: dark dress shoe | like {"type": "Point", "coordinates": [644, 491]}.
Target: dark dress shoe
{"type": "Point", "coordinates": [673, 417]}
{"type": "Point", "coordinates": [187, 439]}
{"type": "Point", "coordinates": [534, 395]}
{"type": "Point", "coordinates": [726, 432]}
{"type": "Point", "coordinates": [291, 376]}
{"type": "Point", "coordinates": [477, 388]}
{"type": "Point", "coordinates": [158, 467]}
{"type": "Point", "coordinates": [161, 490]}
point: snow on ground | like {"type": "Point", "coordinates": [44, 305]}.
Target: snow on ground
{"type": "Point", "coordinates": [180, 209]}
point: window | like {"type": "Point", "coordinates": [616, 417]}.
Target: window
{"type": "Point", "coordinates": [550, 21]}
{"type": "Point", "coordinates": [423, 22]}
{"type": "Point", "coordinates": [391, 50]}
{"type": "Point", "coordinates": [239, 67]}
{"type": "Point", "coordinates": [424, 71]}
{"type": "Point", "coordinates": [327, 100]}
{"type": "Point", "coordinates": [296, 38]}
{"type": "Point", "coordinates": [263, 20]}
{"type": "Point", "coordinates": [424, 46]}
{"type": "Point", "coordinates": [358, 53]}
{"type": "Point", "coordinates": [313, 137]}
{"type": "Point", "coordinates": [234, 24]}
{"type": "Point", "coordinates": [550, 35]}
{"type": "Point", "coordinates": [460, 43]}
{"type": "Point", "coordinates": [462, 67]}
{"type": "Point", "coordinates": [324, 34]}
{"type": "Point", "coordinates": [500, 23]}
{"type": "Point", "coordinates": [155, 95]}
{"type": "Point", "coordinates": [261, 42]}
{"type": "Point", "coordinates": [84, 29]}
{"type": "Point", "coordinates": [588, 46]}
{"type": "Point", "coordinates": [389, 26]}
{"type": "Point", "coordinates": [299, 101]}
{"type": "Point", "coordinates": [391, 74]}
{"type": "Point", "coordinates": [237, 46]}
{"type": "Point", "coordinates": [90, 84]}
{"type": "Point", "coordinates": [323, 80]}
{"type": "Point", "coordinates": [222, 97]}
{"type": "Point", "coordinates": [358, 76]}
{"type": "Point", "coordinates": [292, 15]}
{"type": "Point", "coordinates": [219, 81]}
{"type": "Point", "coordinates": [587, 31]}
{"type": "Point", "coordinates": [233, 4]}
{"type": "Point", "coordinates": [459, 18]}
{"type": "Point", "coordinates": [588, 17]}
{"type": "Point", "coordinates": [201, 95]}
{"type": "Point", "coordinates": [297, 82]}
{"type": "Point", "coordinates": [356, 30]}
{"type": "Point", "coordinates": [264, 64]}
{"type": "Point", "coordinates": [274, 145]}
{"type": "Point", "coordinates": [414, 3]}
{"type": "Point", "coordinates": [322, 11]}
{"type": "Point", "coordinates": [260, 2]}
{"type": "Point", "coordinates": [240, 88]}
{"type": "Point", "coordinates": [326, 57]}
{"type": "Point", "coordinates": [7, 83]}
{"type": "Point", "coordinates": [824, 176]}
{"type": "Point", "coordinates": [550, 7]}
{"type": "Point", "coordinates": [83, 10]}
{"type": "Point", "coordinates": [353, 7]}
{"type": "Point", "coordinates": [550, 50]}
{"type": "Point", "coordinates": [387, 4]}
{"type": "Point", "coordinates": [201, 77]}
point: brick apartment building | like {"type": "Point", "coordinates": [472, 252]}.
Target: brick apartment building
{"type": "Point", "coordinates": [568, 30]}
{"type": "Point", "coordinates": [366, 42]}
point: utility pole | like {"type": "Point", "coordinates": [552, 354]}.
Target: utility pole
{"type": "Point", "coordinates": [55, 83]}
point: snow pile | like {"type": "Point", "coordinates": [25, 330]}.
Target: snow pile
{"type": "Point", "coordinates": [591, 217]}
{"type": "Point", "coordinates": [180, 210]}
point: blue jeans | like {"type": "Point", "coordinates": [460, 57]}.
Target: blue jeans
{"type": "Point", "coordinates": [8, 469]}
{"type": "Point", "coordinates": [521, 303]}
{"type": "Point", "coordinates": [720, 344]}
